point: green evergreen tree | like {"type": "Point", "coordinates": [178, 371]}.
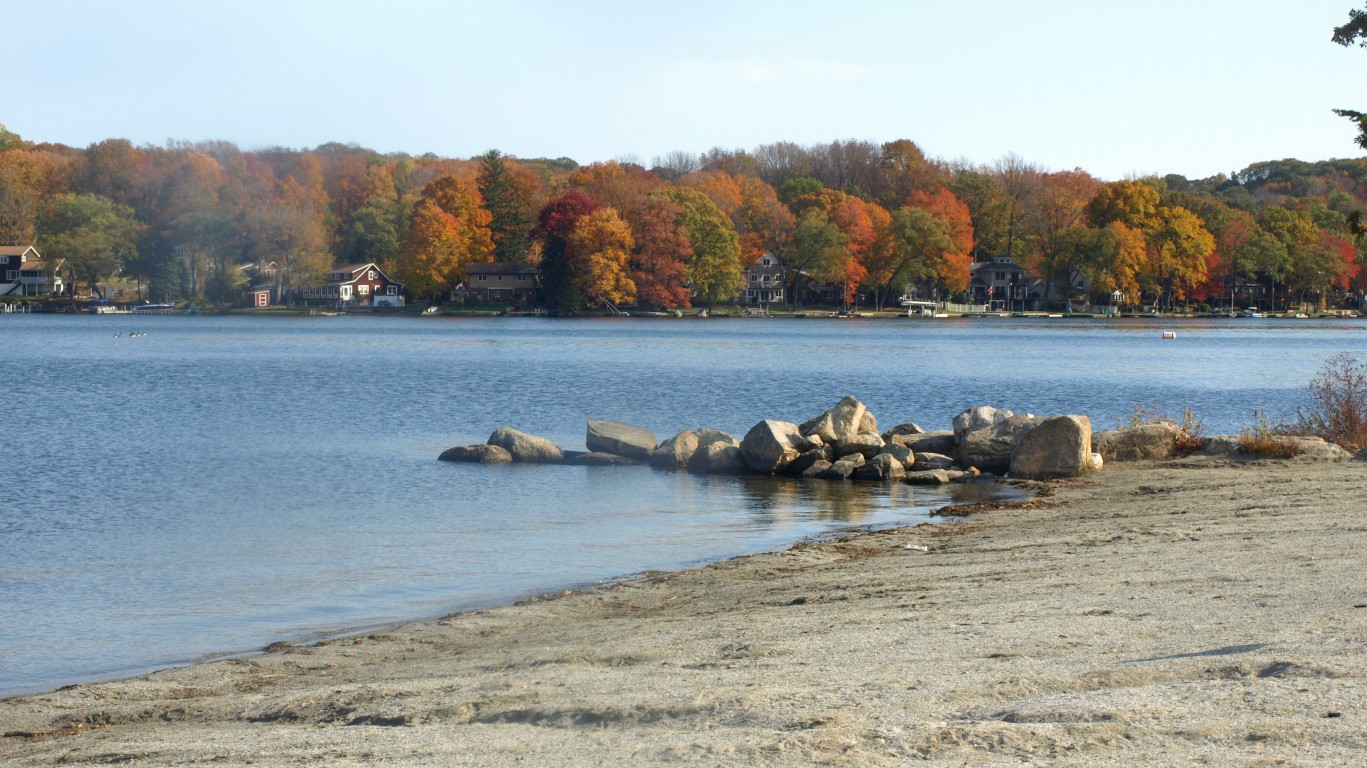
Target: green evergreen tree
{"type": "Point", "coordinates": [501, 200]}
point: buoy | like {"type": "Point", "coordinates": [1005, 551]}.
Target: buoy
{"type": "Point", "coordinates": [1169, 334]}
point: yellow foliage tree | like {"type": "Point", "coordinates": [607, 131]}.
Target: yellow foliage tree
{"type": "Point", "coordinates": [601, 246]}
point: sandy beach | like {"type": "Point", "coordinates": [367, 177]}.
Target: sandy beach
{"type": "Point", "coordinates": [1192, 612]}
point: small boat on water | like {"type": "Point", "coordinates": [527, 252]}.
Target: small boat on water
{"type": "Point", "coordinates": [146, 308]}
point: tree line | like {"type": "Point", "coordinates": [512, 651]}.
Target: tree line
{"type": "Point", "coordinates": [198, 220]}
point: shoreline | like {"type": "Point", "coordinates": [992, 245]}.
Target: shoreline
{"type": "Point", "coordinates": [1182, 611]}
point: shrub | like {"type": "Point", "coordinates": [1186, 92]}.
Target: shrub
{"type": "Point", "coordinates": [1267, 441]}
{"type": "Point", "coordinates": [1338, 403]}
{"type": "Point", "coordinates": [1189, 429]}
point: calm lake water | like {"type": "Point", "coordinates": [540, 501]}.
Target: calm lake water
{"type": "Point", "coordinates": [220, 483]}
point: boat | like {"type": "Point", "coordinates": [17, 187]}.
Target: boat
{"type": "Point", "coordinates": [150, 308]}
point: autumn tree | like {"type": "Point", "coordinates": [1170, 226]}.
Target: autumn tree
{"type": "Point", "coordinates": [600, 249]}
{"type": "Point", "coordinates": [555, 225]}
{"type": "Point", "coordinates": [916, 241]}
{"type": "Point", "coordinates": [27, 177]}
{"type": "Point", "coordinates": [714, 269]}
{"type": "Point", "coordinates": [449, 229]}
{"type": "Point", "coordinates": [1018, 180]}
{"type": "Point", "coordinates": [662, 251]}
{"type": "Point", "coordinates": [93, 234]}
{"type": "Point", "coordinates": [988, 206]}
{"type": "Point", "coordinates": [817, 254]}
{"type": "Point", "coordinates": [1055, 210]}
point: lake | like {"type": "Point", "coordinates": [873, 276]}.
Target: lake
{"type": "Point", "coordinates": [216, 483]}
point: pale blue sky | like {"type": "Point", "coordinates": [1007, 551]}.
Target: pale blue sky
{"type": "Point", "coordinates": [1193, 87]}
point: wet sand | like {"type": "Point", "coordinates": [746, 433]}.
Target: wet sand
{"type": "Point", "coordinates": [1189, 612]}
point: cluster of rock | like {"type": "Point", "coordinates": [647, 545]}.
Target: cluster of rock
{"type": "Point", "coordinates": [841, 444]}
{"type": "Point", "coordinates": [844, 444]}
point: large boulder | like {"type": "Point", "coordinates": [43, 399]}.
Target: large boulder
{"type": "Point", "coordinates": [606, 436]}
{"type": "Point", "coordinates": [707, 437]}
{"type": "Point", "coordinates": [901, 453]}
{"type": "Point", "coordinates": [1057, 447]}
{"type": "Point", "coordinates": [770, 446]}
{"type": "Point", "coordinates": [842, 422]}
{"type": "Point", "coordinates": [479, 454]}
{"type": "Point", "coordinates": [902, 429]}
{"type": "Point", "coordinates": [989, 448]}
{"type": "Point", "coordinates": [867, 443]}
{"type": "Point", "coordinates": [717, 458]}
{"type": "Point", "coordinates": [882, 467]}
{"type": "Point", "coordinates": [675, 452]}
{"type": "Point", "coordinates": [1145, 442]}
{"type": "Point", "coordinates": [929, 477]}
{"type": "Point", "coordinates": [524, 447]}
{"type": "Point", "coordinates": [1318, 449]}
{"type": "Point", "coordinates": [939, 441]}
{"type": "Point", "coordinates": [816, 470]}
{"type": "Point", "coordinates": [978, 418]}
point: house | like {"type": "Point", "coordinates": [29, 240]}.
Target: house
{"type": "Point", "coordinates": [23, 272]}
{"type": "Point", "coordinates": [764, 281]}
{"type": "Point", "coordinates": [1001, 284]}
{"type": "Point", "coordinates": [501, 281]}
{"type": "Point", "coordinates": [357, 284]}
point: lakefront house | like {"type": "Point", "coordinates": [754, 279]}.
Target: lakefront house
{"type": "Point", "coordinates": [499, 281]}
{"type": "Point", "coordinates": [764, 281]}
{"type": "Point", "coordinates": [23, 272]}
{"type": "Point", "coordinates": [357, 284]}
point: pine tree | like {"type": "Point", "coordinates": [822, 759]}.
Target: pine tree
{"type": "Point", "coordinates": [509, 224]}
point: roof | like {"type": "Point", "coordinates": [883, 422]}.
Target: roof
{"type": "Point", "coordinates": [16, 250]}
{"type": "Point", "coordinates": [498, 268]}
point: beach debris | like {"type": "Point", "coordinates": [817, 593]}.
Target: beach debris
{"type": "Point", "coordinates": [917, 547]}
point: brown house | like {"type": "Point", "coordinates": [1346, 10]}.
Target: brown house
{"type": "Point", "coordinates": [501, 282]}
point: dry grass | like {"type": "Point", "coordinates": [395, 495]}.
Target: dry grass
{"type": "Point", "coordinates": [1267, 441]}
{"type": "Point", "coordinates": [1189, 428]}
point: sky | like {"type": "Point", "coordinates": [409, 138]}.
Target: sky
{"type": "Point", "coordinates": [1193, 87]}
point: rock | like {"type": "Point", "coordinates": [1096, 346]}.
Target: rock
{"type": "Point", "coordinates": [843, 469]}
{"type": "Point", "coordinates": [622, 439]}
{"type": "Point", "coordinates": [675, 452]}
{"type": "Point", "coordinates": [1146, 442]}
{"type": "Point", "coordinates": [1098, 463]}
{"type": "Point", "coordinates": [882, 467]}
{"type": "Point", "coordinates": [841, 422]}
{"type": "Point", "coordinates": [977, 418]}
{"type": "Point", "coordinates": [525, 447]}
{"type": "Point", "coordinates": [717, 458]}
{"type": "Point", "coordinates": [927, 461]}
{"type": "Point", "coordinates": [770, 446]}
{"type": "Point", "coordinates": [816, 469]}
{"type": "Point", "coordinates": [867, 443]}
{"type": "Point", "coordinates": [868, 423]}
{"type": "Point", "coordinates": [902, 429]}
{"type": "Point", "coordinates": [479, 454]}
{"type": "Point", "coordinates": [959, 476]}
{"type": "Point", "coordinates": [1318, 449]}
{"type": "Point", "coordinates": [940, 441]}
{"type": "Point", "coordinates": [810, 442]}
{"type": "Point", "coordinates": [1057, 447]}
{"type": "Point", "coordinates": [597, 459]}
{"type": "Point", "coordinates": [928, 477]}
{"type": "Point", "coordinates": [1221, 445]}
{"type": "Point", "coordinates": [989, 448]}
{"type": "Point", "coordinates": [900, 452]}
{"type": "Point", "coordinates": [707, 437]}
{"type": "Point", "coordinates": [805, 461]}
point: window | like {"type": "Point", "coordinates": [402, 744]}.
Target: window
{"type": "Point", "coordinates": [392, 290]}
{"type": "Point", "coordinates": [482, 278]}
{"type": "Point", "coordinates": [766, 261]}
{"type": "Point", "coordinates": [370, 275]}
{"type": "Point", "coordinates": [500, 278]}
{"type": "Point", "coordinates": [12, 275]}
{"type": "Point", "coordinates": [754, 278]}
{"type": "Point", "coordinates": [363, 289]}
{"type": "Point", "coordinates": [521, 278]}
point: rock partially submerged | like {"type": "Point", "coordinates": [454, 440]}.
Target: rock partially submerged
{"type": "Point", "coordinates": [621, 439]}
{"type": "Point", "coordinates": [675, 452]}
{"type": "Point", "coordinates": [478, 454]}
{"type": "Point", "coordinates": [770, 446]}
{"type": "Point", "coordinates": [524, 447]}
